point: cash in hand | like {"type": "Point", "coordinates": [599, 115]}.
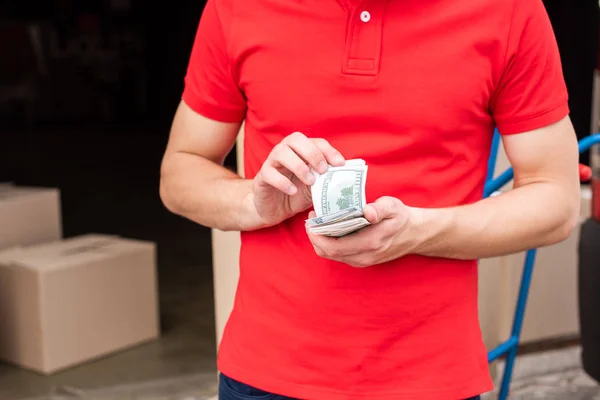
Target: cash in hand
{"type": "Point", "coordinates": [338, 197]}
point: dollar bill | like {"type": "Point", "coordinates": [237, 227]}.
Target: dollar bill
{"type": "Point", "coordinates": [340, 188]}
{"type": "Point", "coordinates": [338, 197]}
{"type": "Point", "coordinates": [341, 228]}
{"type": "Point", "coordinates": [342, 215]}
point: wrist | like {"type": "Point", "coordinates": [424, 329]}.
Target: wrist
{"type": "Point", "coordinates": [249, 215]}
{"type": "Point", "coordinates": [429, 228]}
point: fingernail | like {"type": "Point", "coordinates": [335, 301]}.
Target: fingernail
{"type": "Point", "coordinates": [310, 178]}
{"type": "Point", "coordinates": [339, 159]}
{"type": "Point", "coordinates": [292, 190]}
{"type": "Point", "coordinates": [322, 166]}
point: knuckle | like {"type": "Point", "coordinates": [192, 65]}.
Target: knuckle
{"type": "Point", "coordinates": [302, 170]}
{"type": "Point", "coordinates": [315, 155]}
{"type": "Point", "coordinates": [294, 137]}
{"type": "Point", "coordinates": [388, 201]}
{"type": "Point", "coordinates": [321, 142]}
{"type": "Point", "coordinates": [394, 203]}
{"type": "Point", "coordinates": [278, 149]}
{"type": "Point", "coordinates": [300, 167]}
{"type": "Point", "coordinates": [267, 176]}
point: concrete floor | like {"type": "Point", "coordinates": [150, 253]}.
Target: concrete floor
{"type": "Point", "coordinates": [110, 185]}
{"type": "Point", "coordinates": [550, 375]}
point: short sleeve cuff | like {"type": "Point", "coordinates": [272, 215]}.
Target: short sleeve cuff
{"type": "Point", "coordinates": [508, 127]}
{"type": "Point", "coordinates": [210, 110]}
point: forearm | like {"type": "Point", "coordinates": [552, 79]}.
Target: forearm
{"type": "Point", "coordinates": [207, 193]}
{"type": "Point", "coordinates": [530, 216]}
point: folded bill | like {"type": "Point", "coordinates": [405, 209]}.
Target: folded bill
{"type": "Point", "coordinates": [342, 215]}
{"type": "Point", "coordinates": [341, 228]}
{"type": "Point", "coordinates": [338, 197]}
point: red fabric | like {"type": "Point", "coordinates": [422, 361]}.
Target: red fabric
{"type": "Point", "coordinates": [416, 91]}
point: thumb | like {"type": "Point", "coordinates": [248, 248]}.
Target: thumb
{"type": "Point", "coordinates": [383, 208]}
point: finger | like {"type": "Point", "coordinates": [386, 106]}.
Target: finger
{"type": "Point", "coordinates": [319, 251]}
{"type": "Point", "coordinates": [318, 244]}
{"type": "Point", "coordinates": [284, 156]}
{"type": "Point", "coordinates": [383, 208]}
{"type": "Point", "coordinates": [274, 178]}
{"type": "Point", "coordinates": [311, 214]}
{"type": "Point", "coordinates": [308, 151]}
{"type": "Point", "coordinates": [336, 248]}
{"type": "Point", "coordinates": [333, 156]}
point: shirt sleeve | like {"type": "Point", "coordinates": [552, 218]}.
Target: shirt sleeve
{"type": "Point", "coordinates": [210, 86]}
{"type": "Point", "coordinates": [531, 92]}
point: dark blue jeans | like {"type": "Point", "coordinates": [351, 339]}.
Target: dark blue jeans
{"type": "Point", "coordinates": [230, 389]}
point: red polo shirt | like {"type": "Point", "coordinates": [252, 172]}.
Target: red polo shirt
{"type": "Point", "coordinates": [415, 88]}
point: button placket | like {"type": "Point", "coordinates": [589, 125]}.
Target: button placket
{"type": "Point", "coordinates": [363, 38]}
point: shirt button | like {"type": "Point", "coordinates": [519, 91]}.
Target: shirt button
{"type": "Point", "coordinates": [365, 16]}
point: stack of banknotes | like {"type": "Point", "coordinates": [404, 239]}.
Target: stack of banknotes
{"type": "Point", "coordinates": [338, 197]}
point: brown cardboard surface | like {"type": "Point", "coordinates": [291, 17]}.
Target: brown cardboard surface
{"type": "Point", "coordinates": [29, 215]}
{"type": "Point", "coordinates": [20, 321]}
{"type": "Point", "coordinates": [71, 252]}
{"type": "Point", "coordinates": [69, 301]}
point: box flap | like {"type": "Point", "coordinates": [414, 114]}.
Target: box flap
{"type": "Point", "coordinates": [8, 191]}
{"type": "Point", "coordinates": [6, 187]}
{"type": "Point", "coordinates": [70, 252]}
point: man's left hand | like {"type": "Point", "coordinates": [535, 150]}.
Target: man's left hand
{"type": "Point", "coordinates": [388, 237]}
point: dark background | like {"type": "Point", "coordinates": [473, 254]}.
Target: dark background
{"type": "Point", "coordinates": [134, 57]}
{"type": "Point", "coordinates": [576, 26]}
{"type": "Point", "coordinates": [132, 68]}
{"type": "Point", "coordinates": [123, 61]}
{"type": "Point", "coordinates": [88, 90]}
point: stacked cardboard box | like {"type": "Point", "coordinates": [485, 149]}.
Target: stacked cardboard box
{"type": "Point", "coordinates": [67, 301]}
{"type": "Point", "coordinates": [28, 215]}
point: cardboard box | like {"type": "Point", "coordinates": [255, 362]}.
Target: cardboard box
{"type": "Point", "coordinates": [66, 302]}
{"type": "Point", "coordinates": [29, 215]}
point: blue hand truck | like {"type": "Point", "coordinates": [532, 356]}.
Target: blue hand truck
{"type": "Point", "coordinates": [510, 346]}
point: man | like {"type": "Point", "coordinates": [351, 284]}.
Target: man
{"type": "Point", "coordinates": [415, 88]}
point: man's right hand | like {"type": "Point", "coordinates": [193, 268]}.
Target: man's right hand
{"type": "Point", "coordinates": [282, 186]}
